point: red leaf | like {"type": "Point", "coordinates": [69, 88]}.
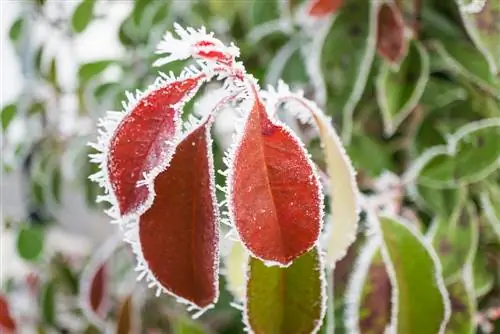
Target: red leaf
{"type": "Point", "coordinates": [179, 233]}
{"type": "Point", "coordinates": [98, 291]}
{"type": "Point", "coordinates": [6, 322]}
{"type": "Point", "coordinates": [391, 42]}
{"type": "Point", "coordinates": [324, 7]}
{"type": "Point", "coordinates": [145, 140]}
{"type": "Point", "coordinates": [273, 192]}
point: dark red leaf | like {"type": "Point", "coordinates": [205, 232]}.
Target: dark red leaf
{"type": "Point", "coordinates": [274, 194]}
{"type": "Point", "coordinates": [98, 291]}
{"type": "Point", "coordinates": [324, 7]}
{"type": "Point", "coordinates": [144, 140]}
{"type": "Point", "coordinates": [179, 232]}
{"type": "Point", "coordinates": [391, 42]}
{"type": "Point", "coordinates": [6, 322]}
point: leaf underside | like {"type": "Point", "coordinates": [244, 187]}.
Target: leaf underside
{"type": "Point", "coordinates": [179, 232]}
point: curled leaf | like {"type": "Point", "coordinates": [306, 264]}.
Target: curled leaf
{"type": "Point", "coordinates": [391, 41]}
{"type": "Point", "coordinates": [176, 240]}
{"type": "Point", "coordinates": [286, 300]}
{"type": "Point", "coordinates": [274, 193]}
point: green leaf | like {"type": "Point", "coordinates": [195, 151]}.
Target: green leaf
{"type": "Point", "coordinates": [455, 239]}
{"type": "Point", "coordinates": [89, 70]}
{"type": "Point", "coordinates": [52, 75]}
{"type": "Point", "coordinates": [471, 154]}
{"type": "Point", "coordinates": [399, 91]}
{"type": "Point", "coordinates": [439, 93]}
{"type": "Point", "coordinates": [184, 325]}
{"type": "Point", "coordinates": [463, 308]}
{"type": "Point", "coordinates": [465, 60]}
{"type": "Point", "coordinates": [82, 15]}
{"type": "Point", "coordinates": [263, 11]}
{"type": "Point", "coordinates": [56, 184]}
{"type": "Point", "coordinates": [8, 113]}
{"type": "Point", "coordinates": [422, 305]}
{"type": "Point", "coordinates": [483, 276]}
{"type": "Point", "coordinates": [30, 242]}
{"type": "Point", "coordinates": [370, 155]}
{"type": "Point", "coordinates": [48, 306]}
{"type": "Point", "coordinates": [37, 61]}
{"type": "Point", "coordinates": [490, 203]}
{"type": "Point", "coordinates": [484, 29]}
{"type": "Point", "coordinates": [137, 12]}
{"type": "Point", "coordinates": [347, 57]}
{"type": "Point", "coordinates": [437, 201]}
{"type": "Point", "coordinates": [16, 29]}
{"type": "Point", "coordinates": [368, 296]}
{"type": "Point", "coordinates": [286, 300]}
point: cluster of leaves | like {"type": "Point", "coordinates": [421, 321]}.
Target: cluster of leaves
{"type": "Point", "coordinates": [415, 90]}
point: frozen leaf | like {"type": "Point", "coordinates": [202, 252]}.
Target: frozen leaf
{"type": "Point", "coordinates": [235, 267]}
{"type": "Point", "coordinates": [399, 91]}
{"type": "Point", "coordinates": [274, 193]}
{"type": "Point", "coordinates": [7, 323]}
{"type": "Point", "coordinates": [415, 272]}
{"type": "Point", "coordinates": [441, 202]}
{"type": "Point", "coordinates": [483, 27]}
{"type": "Point", "coordinates": [471, 154]}
{"type": "Point", "coordinates": [286, 300]}
{"type": "Point", "coordinates": [439, 93]}
{"type": "Point", "coordinates": [368, 295]}
{"type": "Point", "coordinates": [347, 56]}
{"type": "Point", "coordinates": [137, 145]}
{"type": "Point", "coordinates": [320, 8]}
{"type": "Point", "coordinates": [455, 240]}
{"type": "Point", "coordinates": [391, 40]}
{"type": "Point", "coordinates": [177, 242]}
{"type": "Point", "coordinates": [463, 307]}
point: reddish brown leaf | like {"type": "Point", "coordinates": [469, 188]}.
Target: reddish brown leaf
{"type": "Point", "coordinates": [324, 7]}
{"type": "Point", "coordinates": [273, 193]}
{"type": "Point", "coordinates": [391, 42]}
{"type": "Point", "coordinates": [98, 291]}
{"type": "Point", "coordinates": [7, 324]}
{"type": "Point", "coordinates": [179, 233]}
{"type": "Point", "coordinates": [144, 140]}
{"type": "Point", "coordinates": [124, 323]}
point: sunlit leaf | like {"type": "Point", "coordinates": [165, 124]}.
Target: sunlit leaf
{"type": "Point", "coordinates": [422, 304]}
{"type": "Point", "coordinates": [178, 234]}
{"type": "Point", "coordinates": [30, 242]}
{"type": "Point", "coordinates": [399, 91]}
{"type": "Point", "coordinates": [8, 113]}
{"type": "Point", "coordinates": [391, 40]}
{"type": "Point", "coordinates": [285, 300]}
{"type": "Point", "coordinates": [82, 15]}
{"type": "Point", "coordinates": [273, 192]}
{"type": "Point", "coordinates": [347, 56]}
{"type": "Point", "coordinates": [484, 29]}
{"type": "Point", "coordinates": [7, 323]}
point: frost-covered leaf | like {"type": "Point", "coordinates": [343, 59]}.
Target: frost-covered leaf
{"type": "Point", "coordinates": [138, 144]}
{"type": "Point", "coordinates": [177, 241]}
{"type": "Point", "coordinates": [470, 155]}
{"type": "Point", "coordinates": [286, 300]}
{"type": "Point", "coordinates": [399, 91]}
{"type": "Point", "coordinates": [490, 202]}
{"type": "Point", "coordinates": [484, 29]}
{"type": "Point", "coordinates": [391, 40]}
{"type": "Point", "coordinates": [463, 307]}
{"type": "Point", "coordinates": [83, 15]}
{"type": "Point", "coordinates": [318, 8]}
{"type": "Point", "coordinates": [422, 304]}
{"type": "Point", "coordinates": [368, 296]}
{"type": "Point", "coordinates": [455, 240]}
{"type": "Point", "coordinates": [7, 323]}
{"type": "Point", "coordinates": [346, 58]}
{"type": "Point", "coordinates": [469, 62]}
{"type": "Point", "coordinates": [235, 265]}
{"type": "Point", "coordinates": [439, 93]}
{"type": "Point", "coordinates": [274, 193]}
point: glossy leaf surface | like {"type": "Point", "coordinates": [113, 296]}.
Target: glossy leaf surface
{"type": "Point", "coordinates": [391, 42]}
{"type": "Point", "coordinates": [285, 300]}
{"type": "Point", "coordinates": [145, 139]}
{"type": "Point", "coordinates": [273, 191]}
{"type": "Point", "coordinates": [422, 304]}
{"type": "Point", "coordinates": [179, 233]}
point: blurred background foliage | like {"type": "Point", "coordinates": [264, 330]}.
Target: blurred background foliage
{"type": "Point", "coordinates": [389, 115]}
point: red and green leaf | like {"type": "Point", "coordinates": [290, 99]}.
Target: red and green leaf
{"type": "Point", "coordinates": [286, 300]}
{"type": "Point", "coordinates": [178, 235]}
{"type": "Point", "coordinates": [273, 192]}
{"type": "Point", "coordinates": [391, 41]}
